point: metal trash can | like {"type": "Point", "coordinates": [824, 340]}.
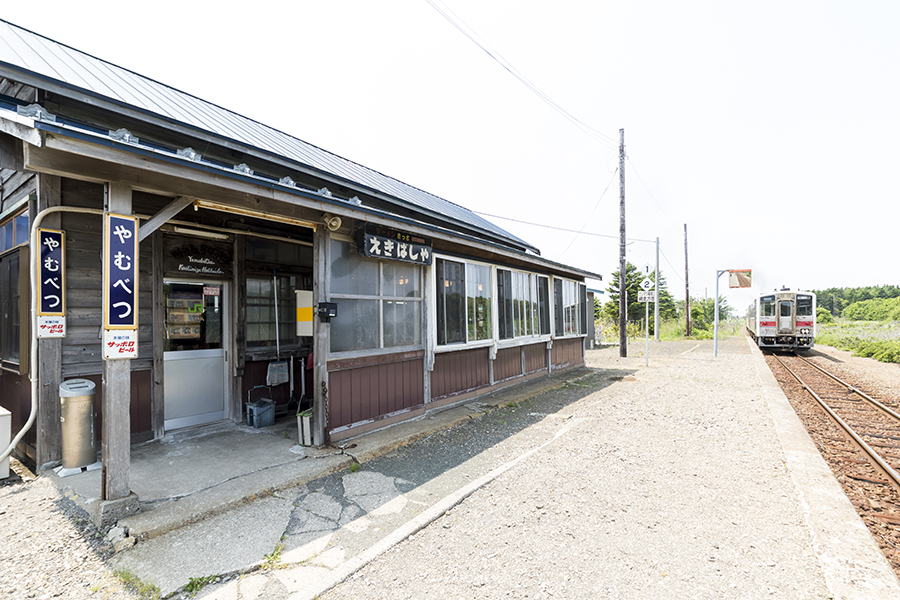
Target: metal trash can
{"type": "Point", "coordinates": [79, 446]}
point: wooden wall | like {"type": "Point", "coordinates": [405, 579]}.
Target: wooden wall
{"type": "Point", "coordinates": [82, 352]}
{"type": "Point", "coordinates": [363, 389]}
{"type": "Point", "coordinates": [459, 372]}
{"type": "Point", "coordinates": [567, 353]}
{"type": "Point", "coordinates": [508, 364]}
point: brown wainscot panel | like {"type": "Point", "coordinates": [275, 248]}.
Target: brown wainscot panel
{"type": "Point", "coordinates": [535, 357]}
{"type": "Point", "coordinates": [460, 372]}
{"type": "Point", "coordinates": [508, 363]}
{"type": "Point", "coordinates": [567, 353]}
{"type": "Point", "coordinates": [370, 388]}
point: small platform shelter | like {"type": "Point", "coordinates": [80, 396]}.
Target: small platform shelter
{"type": "Point", "coordinates": [260, 266]}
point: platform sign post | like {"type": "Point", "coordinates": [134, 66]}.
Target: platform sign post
{"type": "Point", "coordinates": [646, 296]}
{"type": "Point", "coordinates": [120, 287]}
{"type": "Point", "coordinates": [737, 278]}
{"type": "Point", "coordinates": [51, 284]}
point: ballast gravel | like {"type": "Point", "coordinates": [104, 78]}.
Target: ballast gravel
{"type": "Point", "coordinates": [670, 483]}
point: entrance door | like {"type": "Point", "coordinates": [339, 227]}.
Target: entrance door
{"type": "Point", "coordinates": [785, 316]}
{"type": "Point", "coordinates": [195, 360]}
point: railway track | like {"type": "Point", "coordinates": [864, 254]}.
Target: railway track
{"type": "Point", "coordinates": [870, 425]}
{"type": "Point", "coordinates": [857, 435]}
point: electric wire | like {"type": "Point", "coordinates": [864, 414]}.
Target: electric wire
{"type": "Point", "coordinates": [467, 31]}
{"type": "Point", "coordinates": [588, 220]}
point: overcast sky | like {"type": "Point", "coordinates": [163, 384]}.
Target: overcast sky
{"type": "Point", "coordinates": [770, 129]}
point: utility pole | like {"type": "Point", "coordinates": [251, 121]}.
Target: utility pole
{"type": "Point", "coordinates": [623, 299]}
{"type": "Point", "coordinates": [687, 289]}
{"type": "Point", "coordinates": [656, 303]}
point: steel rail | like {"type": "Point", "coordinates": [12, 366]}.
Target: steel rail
{"type": "Point", "coordinates": [855, 390]}
{"type": "Point", "coordinates": [877, 461]}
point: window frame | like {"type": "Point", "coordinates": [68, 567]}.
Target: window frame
{"type": "Point", "coordinates": [464, 321]}
{"type": "Point", "coordinates": [381, 299]}
{"type": "Point", "coordinates": [563, 313]}
{"type": "Point", "coordinates": [525, 282]}
{"type": "Point", "coordinates": [19, 252]}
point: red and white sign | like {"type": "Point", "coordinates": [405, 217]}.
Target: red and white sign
{"type": "Point", "coordinates": [120, 343]}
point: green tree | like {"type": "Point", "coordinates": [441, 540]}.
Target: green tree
{"type": "Point", "coordinates": [636, 310]}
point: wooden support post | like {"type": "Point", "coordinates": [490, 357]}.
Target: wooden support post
{"type": "Point", "coordinates": [322, 339]}
{"type": "Point", "coordinates": [116, 447]}
{"type": "Point", "coordinates": [49, 432]}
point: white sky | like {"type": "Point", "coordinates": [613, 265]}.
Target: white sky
{"type": "Point", "coordinates": [770, 128]}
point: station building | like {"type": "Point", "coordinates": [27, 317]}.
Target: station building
{"type": "Point", "coordinates": [262, 264]}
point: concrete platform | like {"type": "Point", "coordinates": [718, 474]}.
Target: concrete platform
{"type": "Point", "coordinates": [193, 474]}
{"type": "Point", "coordinates": [208, 477]}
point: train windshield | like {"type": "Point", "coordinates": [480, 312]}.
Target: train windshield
{"type": "Point", "coordinates": [767, 306]}
{"type": "Point", "coordinates": [804, 306]}
{"type": "Point", "coordinates": [786, 308]}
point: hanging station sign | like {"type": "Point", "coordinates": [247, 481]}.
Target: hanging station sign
{"type": "Point", "coordinates": [376, 241]}
{"type": "Point", "coordinates": [51, 313]}
{"type": "Point", "coordinates": [120, 286]}
{"type": "Point", "coordinates": [184, 257]}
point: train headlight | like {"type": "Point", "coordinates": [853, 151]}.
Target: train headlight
{"type": "Point", "coordinates": [804, 331]}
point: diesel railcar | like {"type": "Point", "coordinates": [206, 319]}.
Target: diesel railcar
{"type": "Point", "coordinates": [783, 320]}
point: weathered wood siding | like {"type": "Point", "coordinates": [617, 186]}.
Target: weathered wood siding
{"type": "Point", "coordinates": [15, 396]}
{"type": "Point", "coordinates": [508, 364]}
{"type": "Point", "coordinates": [364, 389]}
{"type": "Point", "coordinates": [140, 405]}
{"type": "Point", "coordinates": [567, 353]}
{"type": "Point", "coordinates": [459, 372]}
{"type": "Point", "coordinates": [535, 357]}
{"type": "Point", "coordinates": [82, 354]}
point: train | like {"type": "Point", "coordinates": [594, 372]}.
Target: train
{"type": "Point", "coordinates": [783, 320]}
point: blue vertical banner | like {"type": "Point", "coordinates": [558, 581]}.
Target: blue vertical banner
{"type": "Point", "coordinates": [120, 286]}
{"type": "Point", "coordinates": [51, 309]}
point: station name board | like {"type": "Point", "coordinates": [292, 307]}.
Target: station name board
{"type": "Point", "coordinates": [376, 241]}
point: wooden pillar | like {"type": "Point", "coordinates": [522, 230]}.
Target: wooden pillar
{"type": "Point", "coordinates": [116, 447]}
{"type": "Point", "coordinates": [322, 339]}
{"type": "Point", "coordinates": [157, 390]}
{"type": "Point", "coordinates": [49, 431]}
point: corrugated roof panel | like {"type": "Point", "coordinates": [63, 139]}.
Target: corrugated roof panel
{"type": "Point", "coordinates": [26, 50]}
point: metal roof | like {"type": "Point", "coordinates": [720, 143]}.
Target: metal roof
{"type": "Point", "coordinates": [26, 51]}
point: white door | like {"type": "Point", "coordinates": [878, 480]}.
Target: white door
{"type": "Point", "coordinates": [195, 359]}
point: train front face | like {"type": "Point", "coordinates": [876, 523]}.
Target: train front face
{"type": "Point", "coordinates": [787, 321]}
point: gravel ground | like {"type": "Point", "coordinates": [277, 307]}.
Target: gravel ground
{"type": "Point", "coordinates": [49, 548]}
{"type": "Point", "coordinates": [653, 492]}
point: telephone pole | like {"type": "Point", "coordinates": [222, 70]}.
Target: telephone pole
{"type": "Point", "coordinates": [623, 298]}
{"type": "Point", "coordinates": [687, 289]}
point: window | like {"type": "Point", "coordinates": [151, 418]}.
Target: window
{"type": "Point", "coordinates": [522, 304]}
{"type": "Point", "coordinates": [379, 302]}
{"type": "Point", "coordinates": [463, 302]}
{"type": "Point", "coordinates": [767, 306]}
{"type": "Point", "coordinates": [261, 292]}
{"type": "Point", "coordinates": [478, 302]}
{"type": "Point", "coordinates": [570, 299]}
{"type": "Point", "coordinates": [13, 286]}
{"type": "Point", "coordinates": [275, 269]}
{"type": "Point", "coordinates": [804, 306]}
{"type": "Point", "coordinates": [14, 232]}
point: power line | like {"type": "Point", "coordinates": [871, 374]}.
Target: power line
{"type": "Point", "coordinates": [603, 235]}
{"type": "Point", "coordinates": [592, 213]}
{"type": "Point", "coordinates": [467, 31]}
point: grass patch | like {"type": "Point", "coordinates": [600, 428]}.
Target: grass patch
{"type": "Point", "coordinates": [147, 591]}
{"type": "Point", "coordinates": [195, 584]}
{"type": "Point", "coordinates": [272, 560]}
{"type": "Point", "coordinates": [870, 339]}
